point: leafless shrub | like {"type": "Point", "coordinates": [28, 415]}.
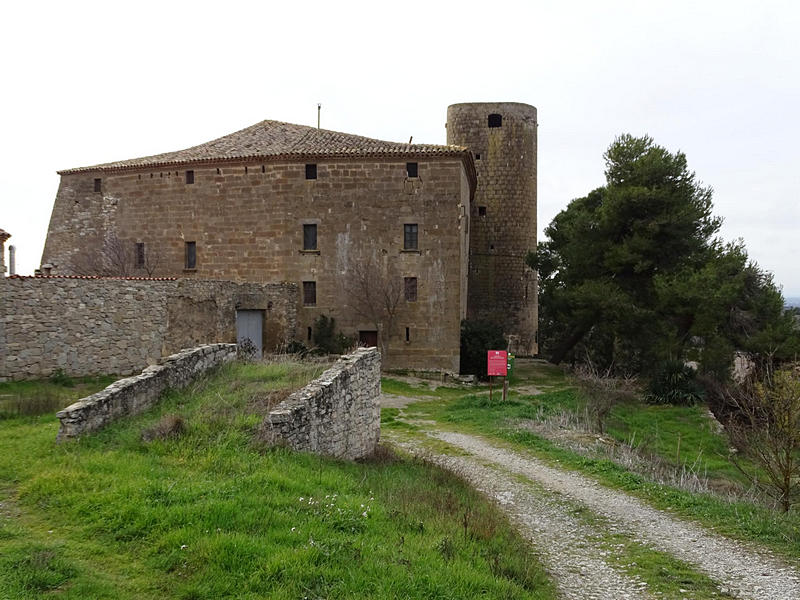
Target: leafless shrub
{"type": "Point", "coordinates": [602, 392]}
{"type": "Point", "coordinates": [764, 427]}
{"type": "Point", "coordinates": [168, 427]}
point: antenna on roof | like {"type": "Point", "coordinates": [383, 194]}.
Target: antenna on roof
{"type": "Point", "coordinates": [319, 109]}
{"type": "Point", "coordinates": [411, 138]}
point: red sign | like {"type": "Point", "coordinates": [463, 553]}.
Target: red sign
{"type": "Point", "coordinates": [497, 362]}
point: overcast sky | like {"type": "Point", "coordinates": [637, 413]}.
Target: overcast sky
{"type": "Point", "coordinates": [85, 83]}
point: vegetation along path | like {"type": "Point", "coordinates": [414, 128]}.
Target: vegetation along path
{"type": "Point", "coordinates": [597, 542]}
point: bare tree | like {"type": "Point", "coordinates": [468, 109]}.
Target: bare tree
{"type": "Point", "coordinates": [116, 258]}
{"type": "Point", "coordinates": [374, 292]}
{"type": "Point", "coordinates": [765, 428]}
{"type": "Point", "coordinates": [602, 392]}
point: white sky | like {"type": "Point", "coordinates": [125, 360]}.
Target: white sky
{"type": "Point", "coordinates": [86, 82]}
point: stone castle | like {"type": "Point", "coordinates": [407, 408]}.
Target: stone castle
{"type": "Point", "coordinates": [398, 242]}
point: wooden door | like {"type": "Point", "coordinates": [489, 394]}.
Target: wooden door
{"type": "Point", "coordinates": [368, 338]}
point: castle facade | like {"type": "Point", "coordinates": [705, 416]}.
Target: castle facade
{"type": "Point", "coordinates": [398, 242]}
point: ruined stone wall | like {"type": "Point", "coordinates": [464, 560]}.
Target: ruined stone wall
{"type": "Point", "coordinates": [503, 225]}
{"type": "Point", "coordinates": [337, 414]}
{"type": "Point", "coordinates": [133, 395]}
{"type": "Point", "coordinates": [89, 326]}
{"type": "Point", "coordinates": [247, 222]}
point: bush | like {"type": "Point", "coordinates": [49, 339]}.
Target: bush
{"type": "Point", "coordinates": [327, 340]}
{"type": "Point", "coordinates": [297, 347]}
{"type": "Point", "coordinates": [674, 383]}
{"type": "Point", "coordinates": [477, 338]}
{"type": "Point", "coordinates": [765, 427]}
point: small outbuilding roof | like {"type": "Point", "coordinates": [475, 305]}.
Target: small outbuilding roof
{"type": "Point", "coordinates": [278, 140]}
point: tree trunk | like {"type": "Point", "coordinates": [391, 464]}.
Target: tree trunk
{"type": "Point", "coordinates": [569, 342]}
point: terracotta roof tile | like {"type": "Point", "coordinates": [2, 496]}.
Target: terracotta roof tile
{"type": "Point", "coordinates": [275, 139]}
{"type": "Point", "coordinates": [91, 277]}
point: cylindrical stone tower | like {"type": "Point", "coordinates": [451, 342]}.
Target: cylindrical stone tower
{"type": "Point", "coordinates": [502, 138]}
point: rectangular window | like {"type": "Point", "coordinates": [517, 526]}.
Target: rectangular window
{"type": "Point", "coordinates": [189, 176]}
{"type": "Point", "coordinates": [410, 236]}
{"type": "Point", "coordinates": [309, 293]}
{"type": "Point", "coordinates": [140, 254]}
{"type": "Point", "coordinates": [408, 334]}
{"type": "Point", "coordinates": [311, 171]}
{"type": "Point", "coordinates": [412, 169]}
{"type": "Point", "coordinates": [191, 255]}
{"type": "Point", "coordinates": [481, 211]}
{"type": "Point", "coordinates": [98, 183]}
{"type": "Point", "coordinates": [410, 287]}
{"type": "Point", "coordinates": [309, 237]}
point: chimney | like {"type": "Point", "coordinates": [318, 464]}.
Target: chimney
{"type": "Point", "coordinates": [12, 260]}
{"type": "Point", "coordinates": [3, 237]}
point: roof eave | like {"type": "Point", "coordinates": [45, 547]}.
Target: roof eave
{"type": "Point", "coordinates": [445, 152]}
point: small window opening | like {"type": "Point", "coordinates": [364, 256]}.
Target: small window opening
{"type": "Point", "coordinates": [410, 236]}
{"type": "Point", "coordinates": [140, 175]}
{"type": "Point", "coordinates": [191, 255]}
{"type": "Point", "coordinates": [408, 334]}
{"type": "Point", "coordinates": [491, 246]}
{"type": "Point", "coordinates": [495, 120]}
{"type": "Point", "coordinates": [410, 288]}
{"type": "Point", "coordinates": [412, 169]}
{"type": "Point", "coordinates": [481, 211]}
{"type": "Point", "coordinates": [161, 175]}
{"type": "Point", "coordinates": [263, 169]}
{"type": "Point", "coordinates": [98, 184]}
{"type": "Point", "coordinates": [151, 175]}
{"type": "Point", "coordinates": [309, 237]}
{"type": "Point", "coordinates": [309, 334]}
{"type": "Point", "coordinates": [245, 170]}
{"type": "Point", "coordinates": [309, 293]}
{"type": "Point", "coordinates": [311, 171]}
{"type": "Point", "coordinates": [140, 254]}
{"type": "Point", "coordinates": [189, 176]}
{"type": "Point", "coordinates": [218, 171]}
{"type": "Point", "coordinates": [477, 156]}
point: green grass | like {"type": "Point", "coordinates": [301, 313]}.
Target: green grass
{"type": "Point", "coordinates": [678, 434]}
{"type": "Point", "coordinates": [20, 398]}
{"type": "Point", "coordinates": [212, 513]}
{"type": "Point", "coordinates": [659, 427]}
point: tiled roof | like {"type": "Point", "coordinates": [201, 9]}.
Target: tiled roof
{"type": "Point", "coordinates": [274, 139]}
{"type": "Point", "coordinates": [91, 277]}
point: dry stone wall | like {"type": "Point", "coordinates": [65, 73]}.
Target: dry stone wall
{"type": "Point", "coordinates": [337, 414]}
{"type": "Point", "coordinates": [133, 395]}
{"type": "Point", "coordinates": [89, 326]}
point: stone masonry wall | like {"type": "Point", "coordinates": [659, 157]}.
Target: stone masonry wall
{"type": "Point", "coordinates": [503, 225]}
{"type": "Point", "coordinates": [134, 395]}
{"type": "Point", "coordinates": [247, 222]}
{"type": "Point", "coordinates": [90, 326]}
{"type": "Point", "coordinates": [338, 414]}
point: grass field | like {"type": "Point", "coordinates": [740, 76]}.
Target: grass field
{"type": "Point", "coordinates": [203, 510]}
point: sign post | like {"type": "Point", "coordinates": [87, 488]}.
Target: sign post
{"type": "Point", "coordinates": [496, 365]}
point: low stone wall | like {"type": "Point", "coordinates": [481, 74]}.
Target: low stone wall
{"type": "Point", "coordinates": [136, 394]}
{"type": "Point", "coordinates": [337, 414]}
{"type": "Point", "coordinates": [94, 326]}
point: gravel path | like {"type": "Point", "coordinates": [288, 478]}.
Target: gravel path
{"type": "Point", "coordinates": [567, 543]}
